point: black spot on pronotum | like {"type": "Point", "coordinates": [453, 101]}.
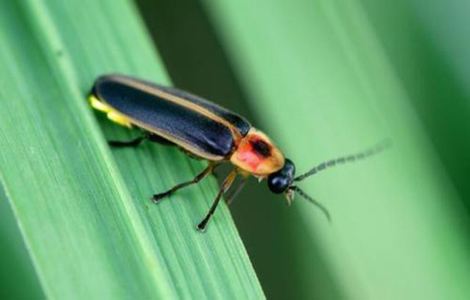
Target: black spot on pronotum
{"type": "Point", "coordinates": [261, 147]}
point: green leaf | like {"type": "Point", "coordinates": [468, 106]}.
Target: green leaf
{"type": "Point", "coordinates": [84, 211]}
{"type": "Point", "coordinates": [319, 78]}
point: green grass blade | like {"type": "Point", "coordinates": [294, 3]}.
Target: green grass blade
{"type": "Point", "coordinates": [17, 270]}
{"type": "Point", "coordinates": [86, 222]}
{"type": "Point", "coordinates": [318, 76]}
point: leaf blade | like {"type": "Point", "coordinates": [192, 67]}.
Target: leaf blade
{"type": "Point", "coordinates": [86, 223]}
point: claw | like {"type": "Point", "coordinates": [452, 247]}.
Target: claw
{"type": "Point", "coordinates": [158, 197]}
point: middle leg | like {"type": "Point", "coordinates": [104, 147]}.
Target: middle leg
{"type": "Point", "coordinates": [158, 197]}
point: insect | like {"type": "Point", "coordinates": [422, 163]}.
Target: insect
{"type": "Point", "coordinates": [206, 131]}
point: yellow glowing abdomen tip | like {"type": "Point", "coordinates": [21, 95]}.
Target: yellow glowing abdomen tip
{"type": "Point", "coordinates": [112, 114]}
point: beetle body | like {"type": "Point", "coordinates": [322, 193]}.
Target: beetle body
{"type": "Point", "coordinates": [200, 127]}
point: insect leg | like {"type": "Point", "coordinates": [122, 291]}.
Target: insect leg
{"type": "Point", "coordinates": [225, 186]}
{"type": "Point", "coordinates": [132, 143]}
{"type": "Point", "coordinates": [157, 197]}
{"type": "Point", "coordinates": [241, 185]}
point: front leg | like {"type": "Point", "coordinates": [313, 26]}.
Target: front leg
{"type": "Point", "coordinates": [224, 188]}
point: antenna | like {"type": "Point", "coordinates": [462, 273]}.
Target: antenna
{"type": "Point", "coordinates": [313, 201]}
{"type": "Point", "coordinates": [345, 159]}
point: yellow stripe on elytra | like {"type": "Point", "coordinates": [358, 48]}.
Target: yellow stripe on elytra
{"type": "Point", "coordinates": [111, 113]}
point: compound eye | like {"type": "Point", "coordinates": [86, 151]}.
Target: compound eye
{"type": "Point", "coordinates": [278, 183]}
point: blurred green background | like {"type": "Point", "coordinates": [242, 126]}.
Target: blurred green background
{"type": "Point", "coordinates": [326, 78]}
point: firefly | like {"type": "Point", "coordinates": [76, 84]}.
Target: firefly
{"type": "Point", "coordinates": [206, 131]}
